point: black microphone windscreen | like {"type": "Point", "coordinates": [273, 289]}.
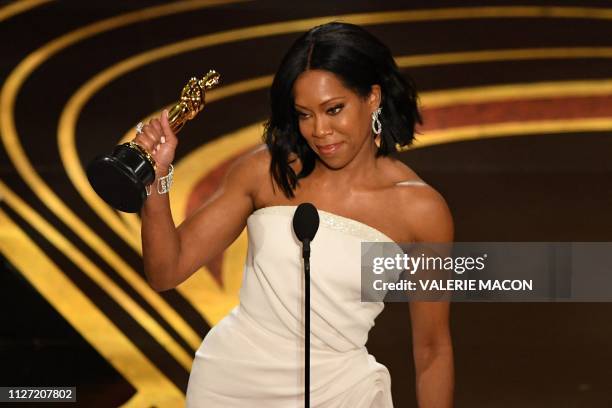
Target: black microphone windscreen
{"type": "Point", "coordinates": [305, 221]}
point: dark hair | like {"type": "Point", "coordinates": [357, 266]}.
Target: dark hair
{"type": "Point", "coordinates": [359, 60]}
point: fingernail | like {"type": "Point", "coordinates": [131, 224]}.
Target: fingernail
{"type": "Point", "coordinates": [163, 139]}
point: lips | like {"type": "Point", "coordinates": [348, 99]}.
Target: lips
{"type": "Point", "coordinates": [329, 148]}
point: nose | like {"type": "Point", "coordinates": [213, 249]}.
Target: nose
{"type": "Point", "coordinates": [322, 128]}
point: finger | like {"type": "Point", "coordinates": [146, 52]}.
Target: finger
{"type": "Point", "coordinates": [151, 137]}
{"type": "Point", "coordinates": [158, 126]}
{"type": "Point", "coordinates": [150, 130]}
{"type": "Point", "coordinates": [166, 127]}
{"type": "Point", "coordinates": [156, 123]}
{"type": "Point", "coordinates": [143, 141]}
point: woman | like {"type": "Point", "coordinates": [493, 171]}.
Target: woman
{"type": "Point", "coordinates": [339, 108]}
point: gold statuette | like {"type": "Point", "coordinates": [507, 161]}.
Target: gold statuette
{"type": "Point", "coordinates": [121, 177]}
{"type": "Point", "coordinates": [192, 100]}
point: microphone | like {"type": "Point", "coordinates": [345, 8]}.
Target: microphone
{"type": "Point", "coordinates": [305, 226]}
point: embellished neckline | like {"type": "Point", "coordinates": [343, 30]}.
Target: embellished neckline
{"type": "Point", "coordinates": [333, 221]}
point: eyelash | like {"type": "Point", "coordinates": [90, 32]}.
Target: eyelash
{"type": "Point", "coordinates": [336, 109]}
{"type": "Point", "coordinates": [332, 111]}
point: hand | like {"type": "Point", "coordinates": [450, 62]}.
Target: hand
{"type": "Point", "coordinates": [160, 141]}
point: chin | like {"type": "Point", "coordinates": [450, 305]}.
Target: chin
{"type": "Point", "coordinates": [333, 163]}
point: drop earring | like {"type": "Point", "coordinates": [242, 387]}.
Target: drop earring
{"type": "Point", "coordinates": [376, 125]}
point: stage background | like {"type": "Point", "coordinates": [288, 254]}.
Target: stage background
{"type": "Point", "coordinates": [517, 101]}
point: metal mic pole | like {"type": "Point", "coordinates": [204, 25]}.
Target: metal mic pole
{"type": "Point", "coordinates": [306, 255]}
{"type": "Point", "coordinates": [305, 226]}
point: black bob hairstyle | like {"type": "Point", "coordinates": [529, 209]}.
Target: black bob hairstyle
{"type": "Point", "coordinates": [359, 60]}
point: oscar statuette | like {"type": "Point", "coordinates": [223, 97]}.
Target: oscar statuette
{"type": "Point", "coordinates": [121, 177]}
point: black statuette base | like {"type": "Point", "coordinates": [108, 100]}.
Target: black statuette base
{"type": "Point", "coordinates": [120, 178]}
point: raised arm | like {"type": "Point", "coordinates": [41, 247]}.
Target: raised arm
{"type": "Point", "coordinates": [171, 254]}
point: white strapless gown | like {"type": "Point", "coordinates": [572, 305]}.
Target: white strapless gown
{"type": "Point", "coordinates": [254, 357]}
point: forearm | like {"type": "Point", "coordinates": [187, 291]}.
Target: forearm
{"type": "Point", "coordinates": [435, 377]}
{"type": "Point", "coordinates": [160, 241]}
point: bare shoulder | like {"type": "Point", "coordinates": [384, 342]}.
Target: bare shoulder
{"type": "Point", "coordinates": [251, 167]}
{"type": "Point", "coordinates": [425, 213]}
{"type": "Point", "coordinates": [396, 171]}
{"type": "Point", "coordinates": [422, 209]}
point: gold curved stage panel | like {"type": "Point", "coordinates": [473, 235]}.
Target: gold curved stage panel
{"type": "Point", "coordinates": [19, 7]}
{"type": "Point", "coordinates": [152, 386]}
{"type": "Point", "coordinates": [94, 272]}
{"type": "Point", "coordinates": [10, 138]}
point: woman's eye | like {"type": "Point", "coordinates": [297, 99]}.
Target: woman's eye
{"type": "Point", "coordinates": [335, 110]}
{"type": "Point", "coordinates": [301, 115]}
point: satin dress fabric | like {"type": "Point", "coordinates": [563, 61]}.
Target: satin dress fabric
{"type": "Point", "coordinates": [254, 357]}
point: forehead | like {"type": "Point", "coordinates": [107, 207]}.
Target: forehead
{"type": "Point", "coordinates": [315, 86]}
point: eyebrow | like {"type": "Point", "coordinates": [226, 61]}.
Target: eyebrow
{"type": "Point", "coordinates": [322, 103]}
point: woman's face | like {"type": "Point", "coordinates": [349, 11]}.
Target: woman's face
{"type": "Point", "coordinates": [335, 121]}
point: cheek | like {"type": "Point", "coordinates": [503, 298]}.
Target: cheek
{"type": "Point", "coordinates": [345, 124]}
{"type": "Point", "coordinates": [304, 128]}
{"type": "Point", "coordinates": [352, 125]}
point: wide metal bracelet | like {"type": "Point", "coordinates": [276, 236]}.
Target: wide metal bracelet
{"type": "Point", "coordinates": [163, 183]}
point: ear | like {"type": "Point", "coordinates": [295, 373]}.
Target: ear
{"type": "Point", "coordinates": [374, 98]}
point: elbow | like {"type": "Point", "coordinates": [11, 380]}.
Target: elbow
{"type": "Point", "coordinates": [158, 287]}
{"type": "Point", "coordinates": [434, 349]}
{"type": "Point", "coordinates": [164, 277]}
{"type": "Point", "coordinates": [159, 284]}
{"type": "Point", "coordinates": [425, 354]}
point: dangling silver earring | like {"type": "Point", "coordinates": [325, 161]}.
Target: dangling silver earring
{"type": "Point", "coordinates": [376, 125]}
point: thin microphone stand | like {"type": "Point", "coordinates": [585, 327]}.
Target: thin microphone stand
{"type": "Point", "coordinates": [305, 226]}
{"type": "Point", "coordinates": [306, 256]}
